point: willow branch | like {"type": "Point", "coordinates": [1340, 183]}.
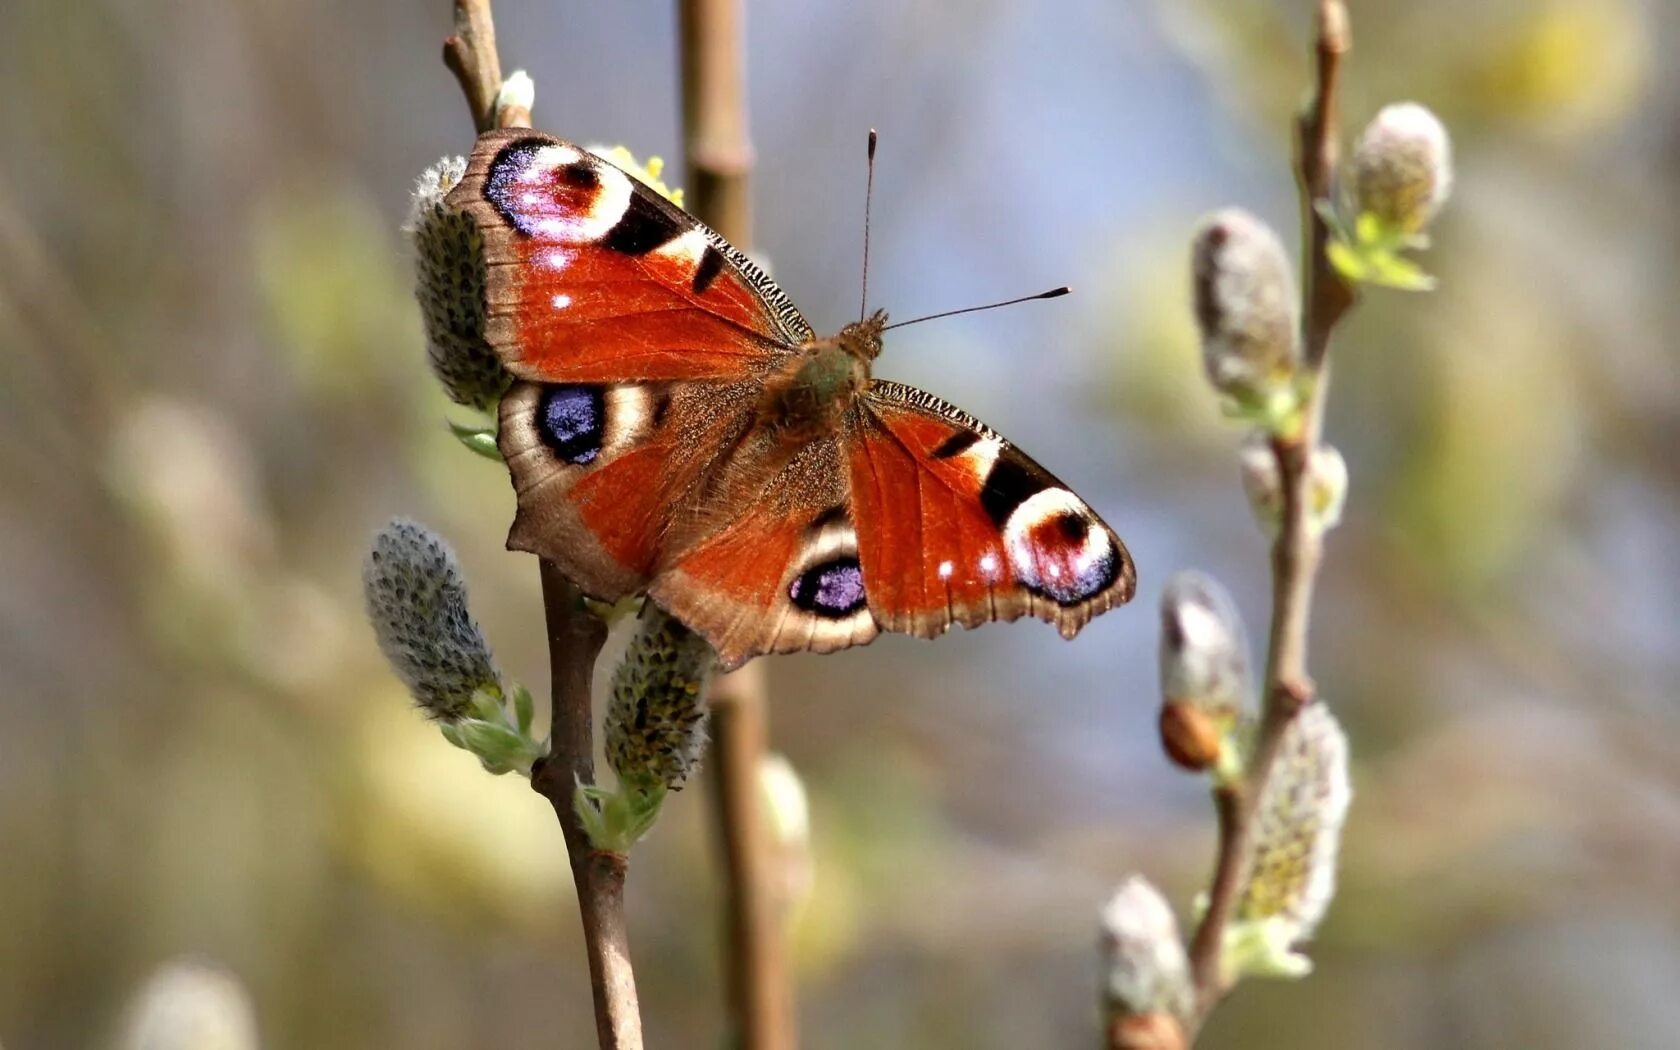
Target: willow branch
{"type": "Point", "coordinates": [574, 642]}
{"type": "Point", "coordinates": [1295, 552]}
{"type": "Point", "coordinates": [470, 53]}
{"type": "Point", "coordinates": [719, 158]}
{"type": "Point", "coordinates": [575, 638]}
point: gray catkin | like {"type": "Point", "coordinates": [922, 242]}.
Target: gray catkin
{"type": "Point", "coordinates": [449, 276]}
{"type": "Point", "coordinates": [417, 603]}
{"type": "Point", "coordinates": [656, 715]}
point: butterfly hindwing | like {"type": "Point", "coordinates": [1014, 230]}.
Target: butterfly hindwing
{"type": "Point", "coordinates": [782, 574]}
{"type": "Point", "coordinates": [956, 525]}
{"type": "Point", "coordinates": [611, 476]}
{"type": "Point", "coordinates": [593, 277]}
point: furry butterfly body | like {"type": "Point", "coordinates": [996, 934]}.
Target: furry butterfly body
{"type": "Point", "coordinates": [675, 427]}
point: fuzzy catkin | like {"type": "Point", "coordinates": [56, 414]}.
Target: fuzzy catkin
{"type": "Point", "coordinates": [449, 276]}
{"type": "Point", "coordinates": [1402, 166]}
{"type": "Point", "coordinates": [1246, 307]}
{"type": "Point", "coordinates": [1298, 830]}
{"type": "Point", "coordinates": [1145, 967]}
{"type": "Point", "coordinates": [655, 728]}
{"type": "Point", "coordinates": [1204, 648]}
{"type": "Point", "coordinates": [417, 603]}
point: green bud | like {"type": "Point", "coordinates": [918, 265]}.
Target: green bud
{"type": "Point", "coordinates": [1248, 313]}
{"type": "Point", "coordinates": [500, 747]}
{"type": "Point", "coordinates": [449, 283]}
{"type": "Point", "coordinates": [417, 603]}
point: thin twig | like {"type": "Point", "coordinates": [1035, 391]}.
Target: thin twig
{"type": "Point", "coordinates": [575, 638]}
{"type": "Point", "coordinates": [719, 158]}
{"type": "Point", "coordinates": [1295, 552]}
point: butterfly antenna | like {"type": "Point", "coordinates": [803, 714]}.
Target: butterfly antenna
{"type": "Point", "coordinates": [868, 196]}
{"type": "Point", "coordinates": [1051, 294]}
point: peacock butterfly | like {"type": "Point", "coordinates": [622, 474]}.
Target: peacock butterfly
{"type": "Point", "coordinates": [675, 427]}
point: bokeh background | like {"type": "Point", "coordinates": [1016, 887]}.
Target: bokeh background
{"type": "Point", "coordinates": [214, 391]}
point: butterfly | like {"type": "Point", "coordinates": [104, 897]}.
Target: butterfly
{"type": "Point", "coordinates": [676, 428]}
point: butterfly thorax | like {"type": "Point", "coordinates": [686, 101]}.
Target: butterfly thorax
{"type": "Point", "coordinates": [810, 393]}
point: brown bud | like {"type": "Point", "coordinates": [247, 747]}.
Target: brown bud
{"type": "Point", "coordinates": [1159, 1031]}
{"type": "Point", "coordinates": [1190, 736]}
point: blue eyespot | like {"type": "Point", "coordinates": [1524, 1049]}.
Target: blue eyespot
{"type": "Point", "coordinates": [833, 589]}
{"type": "Point", "coordinates": [571, 420]}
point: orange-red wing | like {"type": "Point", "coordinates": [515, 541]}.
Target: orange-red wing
{"type": "Point", "coordinates": [610, 477]}
{"type": "Point", "coordinates": [781, 575]}
{"type": "Point", "coordinates": [956, 525]}
{"type": "Point", "coordinates": [592, 277]}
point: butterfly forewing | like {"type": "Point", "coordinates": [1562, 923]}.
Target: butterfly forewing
{"type": "Point", "coordinates": [956, 525]}
{"type": "Point", "coordinates": [593, 277]}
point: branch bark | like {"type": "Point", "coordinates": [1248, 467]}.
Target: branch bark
{"type": "Point", "coordinates": [574, 642]}
{"type": "Point", "coordinates": [1296, 551]}
{"type": "Point", "coordinates": [718, 155]}
{"type": "Point", "coordinates": [575, 638]}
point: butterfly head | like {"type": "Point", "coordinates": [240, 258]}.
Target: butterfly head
{"type": "Point", "coordinates": [862, 339]}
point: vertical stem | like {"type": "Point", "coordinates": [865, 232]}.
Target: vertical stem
{"type": "Point", "coordinates": [575, 638]}
{"type": "Point", "coordinates": [470, 53]}
{"type": "Point", "coordinates": [714, 102]}
{"type": "Point", "coordinates": [1296, 551]}
{"type": "Point", "coordinates": [759, 988]}
{"type": "Point", "coordinates": [574, 642]}
{"type": "Point", "coordinates": [719, 158]}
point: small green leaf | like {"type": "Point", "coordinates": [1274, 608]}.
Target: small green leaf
{"type": "Point", "coordinates": [523, 709]}
{"type": "Point", "coordinates": [616, 818]}
{"type": "Point", "coordinates": [1263, 948]}
{"type": "Point", "coordinates": [480, 439]}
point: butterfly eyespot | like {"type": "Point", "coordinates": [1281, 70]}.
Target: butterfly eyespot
{"type": "Point", "coordinates": [1056, 552]}
{"type": "Point", "coordinates": [832, 589]}
{"type": "Point", "coordinates": [571, 420]}
{"type": "Point", "coordinates": [580, 174]}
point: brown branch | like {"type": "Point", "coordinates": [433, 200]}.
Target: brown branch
{"type": "Point", "coordinates": [575, 638]}
{"type": "Point", "coordinates": [574, 641]}
{"type": "Point", "coordinates": [719, 157]}
{"type": "Point", "coordinates": [1295, 552]}
{"type": "Point", "coordinates": [716, 148]}
{"type": "Point", "coordinates": [470, 53]}
{"type": "Point", "coordinates": [760, 992]}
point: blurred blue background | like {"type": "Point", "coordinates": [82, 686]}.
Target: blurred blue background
{"type": "Point", "coordinates": [212, 372]}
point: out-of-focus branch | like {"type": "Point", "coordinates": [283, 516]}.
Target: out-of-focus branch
{"type": "Point", "coordinates": [719, 158]}
{"type": "Point", "coordinates": [1295, 552]}
{"type": "Point", "coordinates": [575, 638]}
{"type": "Point", "coordinates": [759, 985]}
{"type": "Point", "coordinates": [470, 53]}
{"type": "Point", "coordinates": [716, 148]}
